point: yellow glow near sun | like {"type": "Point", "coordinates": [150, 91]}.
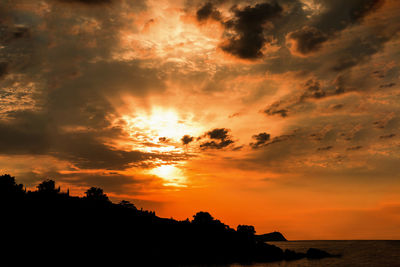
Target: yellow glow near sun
{"type": "Point", "coordinates": [146, 128]}
{"type": "Point", "coordinates": [160, 131]}
{"type": "Point", "coordinates": [171, 174]}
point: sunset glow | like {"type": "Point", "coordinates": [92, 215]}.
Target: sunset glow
{"type": "Point", "coordinates": [172, 175]}
{"type": "Point", "coordinates": [280, 114]}
{"type": "Point", "coordinates": [161, 123]}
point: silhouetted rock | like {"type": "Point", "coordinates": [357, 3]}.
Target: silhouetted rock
{"type": "Point", "coordinates": [314, 253]}
{"type": "Point", "coordinates": [292, 255]}
{"type": "Point", "coordinates": [274, 236]}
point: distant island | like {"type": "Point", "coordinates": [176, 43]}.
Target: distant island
{"type": "Point", "coordinates": [49, 226]}
{"type": "Point", "coordinates": [274, 236]}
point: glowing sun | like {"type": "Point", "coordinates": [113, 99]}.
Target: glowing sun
{"type": "Point", "coordinates": [171, 174]}
{"type": "Point", "coordinates": [160, 130]}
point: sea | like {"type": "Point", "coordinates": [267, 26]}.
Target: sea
{"type": "Point", "coordinates": [360, 253]}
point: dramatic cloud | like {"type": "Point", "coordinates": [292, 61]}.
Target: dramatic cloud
{"type": "Point", "coordinates": [276, 109]}
{"type": "Point", "coordinates": [354, 148]}
{"type": "Point", "coordinates": [88, 2]}
{"type": "Point", "coordinates": [325, 148]}
{"type": "Point", "coordinates": [3, 69]}
{"type": "Point", "coordinates": [313, 90]}
{"type": "Point", "coordinates": [387, 136]}
{"type": "Point", "coordinates": [245, 32]}
{"type": "Point", "coordinates": [186, 139]}
{"type": "Point", "coordinates": [337, 16]}
{"type": "Point", "coordinates": [261, 140]}
{"type": "Point", "coordinates": [308, 93]}
{"type": "Point", "coordinates": [216, 145]}
{"type": "Point", "coordinates": [222, 137]}
{"type": "Point", "coordinates": [306, 40]}
{"type": "Point", "coordinates": [219, 134]}
{"type": "Point", "coordinates": [208, 11]}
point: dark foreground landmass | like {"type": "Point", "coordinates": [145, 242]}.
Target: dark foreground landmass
{"type": "Point", "coordinates": [50, 227]}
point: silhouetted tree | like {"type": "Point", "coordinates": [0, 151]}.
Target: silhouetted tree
{"type": "Point", "coordinates": [96, 194]}
{"type": "Point", "coordinates": [202, 218]}
{"type": "Point", "coordinates": [8, 186]}
{"type": "Point", "coordinates": [246, 229]}
{"type": "Point", "coordinates": [127, 204]}
{"type": "Point", "coordinates": [48, 187]}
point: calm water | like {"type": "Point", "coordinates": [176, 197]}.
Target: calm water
{"type": "Point", "coordinates": [354, 254]}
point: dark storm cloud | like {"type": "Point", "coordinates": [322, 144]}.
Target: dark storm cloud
{"type": "Point", "coordinates": [281, 138]}
{"type": "Point", "coordinates": [186, 139]}
{"type": "Point", "coordinates": [387, 122]}
{"type": "Point", "coordinates": [248, 36]}
{"type": "Point", "coordinates": [310, 91]}
{"type": "Point", "coordinates": [313, 90]}
{"type": "Point", "coordinates": [253, 25]}
{"type": "Point", "coordinates": [307, 40]}
{"type": "Point", "coordinates": [216, 145]}
{"type": "Point", "coordinates": [26, 133]}
{"type": "Point", "coordinates": [276, 154]}
{"type": "Point", "coordinates": [3, 69]}
{"type": "Point", "coordinates": [337, 106]}
{"type": "Point", "coordinates": [380, 124]}
{"type": "Point", "coordinates": [20, 32]}
{"type": "Point", "coordinates": [359, 50]}
{"type": "Point", "coordinates": [261, 140]}
{"type": "Point", "coordinates": [353, 148]}
{"type": "Point", "coordinates": [387, 136]}
{"type": "Point", "coordinates": [264, 140]}
{"type": "Point", "coordinates": [276, 109]}
{"type": "Point", "coordinates": [337, 16]}
{"type": "Point", "coordinates": [88, 2]}
{"type": "Point", "coordinates": [13, 32]}
{"type": "Point", "coordinates": [387, 85]}
{"type": "Point", "coordinates": [325, 148]}
{"type": "Point", "coordinates": [219, 134]}
{"type": "Point", "coordinates": [208, 10]}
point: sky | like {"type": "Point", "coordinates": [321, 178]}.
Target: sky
{"type": "Point", "coordinates": [279, 114]}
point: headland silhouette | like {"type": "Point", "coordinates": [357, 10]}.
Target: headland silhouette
{"type": "Point", "coordinates": [52, 227]}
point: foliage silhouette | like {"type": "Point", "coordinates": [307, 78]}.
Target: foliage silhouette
{"type": "Point", "coordinates": [96, 194]}
{"type": "Point", "coordinates": [127, 205]}
{"type": "Point", "coordinates": [9, 188]}
{"type": "Point", "coordinates": [49, 226]}
{"type": "Point", "coordinates": [48, 187]}
{"type": "Point", "coordinates": [246, 230]}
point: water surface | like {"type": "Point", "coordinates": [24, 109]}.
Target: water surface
{"type": "Point", "coordinates": [362, 253]}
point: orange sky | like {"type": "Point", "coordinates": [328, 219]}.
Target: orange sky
{"type": "Point", "coordinates": [289, 109]}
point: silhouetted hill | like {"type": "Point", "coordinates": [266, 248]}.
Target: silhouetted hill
{"type": "Point", "coordinates": [274, 236]}
{"type": "Point", "coordinates": [49, 227]}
